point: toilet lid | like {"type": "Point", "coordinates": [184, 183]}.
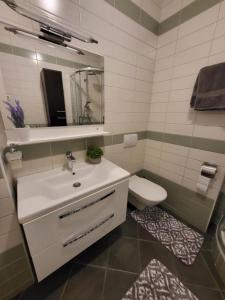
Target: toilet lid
{"type": "Point", "coordinates": [147, 189]}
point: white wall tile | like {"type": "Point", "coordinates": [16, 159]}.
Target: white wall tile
{"type": "Point", "coordinates": [200, 21]}
{"type": "Point", "coordinates": [192, 54]}
{"type": "Point", "coordinates": [6, 207]}
{"type": "Point", "coordinates": [164, 63]}
{"type": "Point", "coordinates": [218, 45]}
{"type": "Point", "coordinates": [167, 37]}
{"type": "Point", "coordinates": [182, 129]}
{"type": "Point", "coordinates": [170, 9]}
{"type": "Point", "coordinates": [166, 50]}
{"type": "Point", "coordinates": [3, 189]}
{"type": "Point", "coordinates": [198, 37]}
{"type": "Point", "coordinates": [163, 75]}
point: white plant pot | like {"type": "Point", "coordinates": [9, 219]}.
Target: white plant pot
{"type": "Point", "coordinates": [94, 160]}
{"type": "Point", "coordinates": [19, 134]}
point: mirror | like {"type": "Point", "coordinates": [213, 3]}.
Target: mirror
{"type": "Point", "coordinates": [55, 86]}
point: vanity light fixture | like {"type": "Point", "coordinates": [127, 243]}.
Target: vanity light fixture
{"type": "Point", "coordinates": [47, 20]}
{"type": "Point", "coordinates": [50, 38]}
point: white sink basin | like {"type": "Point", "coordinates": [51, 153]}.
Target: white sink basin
{"type": "Point", "coordinates": [42, 192]}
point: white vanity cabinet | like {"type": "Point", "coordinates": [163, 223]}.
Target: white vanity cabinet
{"type": "Point", "coordinates": [59, 235]}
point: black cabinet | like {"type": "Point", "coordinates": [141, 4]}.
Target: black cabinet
{"type": "Point", "coordinates": [54, 97]}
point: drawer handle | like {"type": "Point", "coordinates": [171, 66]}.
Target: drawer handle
{"type": "Point", "coordinates": [72, 212]}
{"type": "Point", "coordinates": [80, 236]}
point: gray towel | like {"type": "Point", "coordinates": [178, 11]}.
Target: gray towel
{"type": "Point", "coordinates": [209, 89]}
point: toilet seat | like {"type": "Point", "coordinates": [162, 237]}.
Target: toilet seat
{"type": "Point", "coordinates": [147, 191]}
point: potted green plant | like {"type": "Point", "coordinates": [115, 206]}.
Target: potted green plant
{"type": "Point", "coordinates": [94, 154]}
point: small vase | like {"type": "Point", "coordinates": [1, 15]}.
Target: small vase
{"type": "Point", "coordinates": [94, 160]}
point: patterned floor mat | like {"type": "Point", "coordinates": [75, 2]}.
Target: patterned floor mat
{"type": "Point", "coordinates": [181, 240]}
{"type": "Point", "coordinates": [156, 282]}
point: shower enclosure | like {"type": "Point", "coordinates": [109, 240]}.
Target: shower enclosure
{"type": "Point", "coordinates": [87, 96]}
{"type": "Point", "coordinates": [219, 249]}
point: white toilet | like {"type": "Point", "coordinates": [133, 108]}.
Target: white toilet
{"type": "Point", "coordinates": [145, 193]}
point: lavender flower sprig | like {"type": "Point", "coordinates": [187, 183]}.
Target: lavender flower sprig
{"type": "Point", "coordinates": [16, 113]}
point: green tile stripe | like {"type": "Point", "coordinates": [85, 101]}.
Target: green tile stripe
{"type": "Point", "coordinates": [22, 52]}
{"type": "Point", "coordinates": [180, 201]}
{"type": "Point", "coordinates": [134, 12]}
{"type": "Point", "coordinates": [169, 23]}
{"type": "Point", "coordinates": [10, 255]}
{"type": "Point", "coordinates": [189, 141]}
{"type": "Point", "coordinates": [55, 148]}
{"type": "Point", "coordinates": [193, 9]}
{"type": "Point", "coordinates": [42, 150]}
{"type": "Point", "coordinates": [15, 272]}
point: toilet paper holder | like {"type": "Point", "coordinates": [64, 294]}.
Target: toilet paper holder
{"type": "Point", "coordinates": [208, 170]}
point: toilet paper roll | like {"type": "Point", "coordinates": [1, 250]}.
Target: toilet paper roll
{"type": "Point", "coordinates": [203, 184]}
{"type": "Point", "coordinates": [211, 170]}
{"type": "Point", "coordinates": [204, 180]}
{"type": "Point", "coordinates": [130, 140]}
{"type": "Point", "coordinates": [201, 188]}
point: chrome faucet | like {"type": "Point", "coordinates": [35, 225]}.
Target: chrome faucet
{"type": "Point", "coordinates": [71, 161]}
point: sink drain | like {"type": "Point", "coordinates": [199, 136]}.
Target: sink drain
{"type": "Point", "coordinates": [76, 184]}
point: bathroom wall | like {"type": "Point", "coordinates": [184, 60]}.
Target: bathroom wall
{"type": "Point", "coordinates": [177, 140]}
{"type": "Point", "coordinates": [181, 139]}
{"type": "Point", "coordinates": [173, 141]}
{"type": "Point", "coordinates": [129, 51]}
{"type": "Point", "coordinates": [15, 273]}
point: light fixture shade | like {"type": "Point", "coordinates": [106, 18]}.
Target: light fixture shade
{"type": "Point", "coordinates": [32, 35]}
{"type": "Point", "coordinates": [45, 13]}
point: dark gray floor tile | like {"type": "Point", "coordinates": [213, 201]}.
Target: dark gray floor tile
{"type": "Point", "coordinates": [51, 287]}
{"type": "Point", "coordinates": [209, 261]}
{"type": "Point", "coordinates": [211, 229]}
{"type": "Point", "coordinates": [145, 235]}
{"type": "Point", "coordinates": [117, 283]}
{"type": "Point", "coordinates": [198, 273]}
{"type": "Point", "coordinates": [96, 254]}
{"type": "Point", "coordinates": [124, 255]}
{"type": "Point", "coordinates": [85, 283]}
{"type": "Point", "coordinates": [151, 250]}
{"type": "Point", "coordinates": [207, 244]}
{"type": "Point", "coordinates": [205, 294]}
{"type": "Point", "coordinates": [128, 228]}
{"type": "Point", "coordinates": [130, 207]}
{"type": "Point", "coordinates": [18, 297]}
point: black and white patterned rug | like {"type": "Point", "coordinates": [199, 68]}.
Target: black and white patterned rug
{"type": "Point", "coordinates": [156, 282]}
{"type": "Point", "coordinates": [181, 240]}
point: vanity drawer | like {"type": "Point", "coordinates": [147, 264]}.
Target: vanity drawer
{"type": "Point", "coordinates": [75, 218]}
{"type": "Point", "coordinates": [62, 251]}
